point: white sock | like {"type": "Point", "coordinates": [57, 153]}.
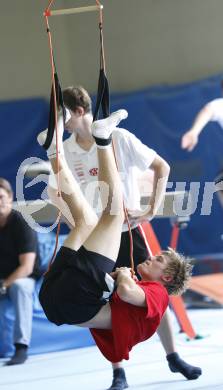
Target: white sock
{"type": "Point", "coordinates": [51, 151]}
{"type": "Point", "coordinates": [103, 128]}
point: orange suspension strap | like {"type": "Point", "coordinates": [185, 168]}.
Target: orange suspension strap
{"type": "Point", "coordinates": [56, 100]}
{"type": "Point", "coordinates": [56, 103]}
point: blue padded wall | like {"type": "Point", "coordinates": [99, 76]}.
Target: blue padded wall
{"type": "Point", "coordinates": [158, 116]}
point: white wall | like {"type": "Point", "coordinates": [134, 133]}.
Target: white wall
{"type": "Point", "coordinates": [147, 42]}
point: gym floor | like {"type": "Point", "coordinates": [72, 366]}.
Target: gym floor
{"type": "Point", "coordinates": [85, 368]}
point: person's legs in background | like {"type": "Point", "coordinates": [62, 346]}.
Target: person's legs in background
{"type": "Point", "coordinates": [21, 295]}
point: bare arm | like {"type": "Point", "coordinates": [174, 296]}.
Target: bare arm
{"type": "Point", "coordinates": [190, 138]}
{"type": "Point", "coordinates": [127, 288]}
{"type": "Point", "coordinates": [25, 268]}
{"type": "Point", "coordinates": [161, 171]}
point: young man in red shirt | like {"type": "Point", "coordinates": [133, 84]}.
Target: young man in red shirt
{"type": "Point", "coordinates": [133, 160]}
{"type": "Point", "coordinates": [79, 287]}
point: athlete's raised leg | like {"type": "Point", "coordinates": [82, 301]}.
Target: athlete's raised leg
{"type": "Point", "coordinates": [105, 238]}
{"type": "Point", "coordinates": [83, 215]}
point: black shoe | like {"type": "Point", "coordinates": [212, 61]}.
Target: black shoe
{"type": "Point", "coordinates": [176, 364]}
{"type": "Point", "coordinates": [119, 380]}
{"type": "Point", "coordinates": [20, 355]}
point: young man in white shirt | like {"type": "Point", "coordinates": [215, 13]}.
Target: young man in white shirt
{"type": "Point", "coordinates": [133, 158]}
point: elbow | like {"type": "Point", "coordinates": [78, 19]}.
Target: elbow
{"type": "Point", "coordinates": [123, 292]}
{"type": "Point", "coordinates": [208, 111]}
{"type": "Point", "coordinates": [165, 169]}
{"type": "Point", "coordinates": [28, 270]}
{"type": "Point", "coordinates": [161, 168]}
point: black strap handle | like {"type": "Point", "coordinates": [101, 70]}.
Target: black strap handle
{"type": "Point", "coordinates": [103, 95]}
{"type": "Point", "coordinates": [52, 113]}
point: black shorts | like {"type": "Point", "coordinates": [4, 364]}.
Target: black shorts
{"type": "Point", "coordinates": [76, 286]}
{"type": "Point", "coordinates": [140, 252]}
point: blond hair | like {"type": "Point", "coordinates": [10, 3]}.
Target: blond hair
{"type": "Point", "coordinates": [180, 269]}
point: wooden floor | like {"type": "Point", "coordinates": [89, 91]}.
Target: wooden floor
{"type": "Point", "coordinates": [85, 369]}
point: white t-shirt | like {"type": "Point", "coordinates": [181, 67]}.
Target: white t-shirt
{"type": "Point", "coordinates": [132, 158]}
{"type": "Point", "coordinates": [217, 108]}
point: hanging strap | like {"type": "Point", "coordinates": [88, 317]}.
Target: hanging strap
{"type": "Point", "coordinates": [103, 99]}
{"type": "Point", "coordinates": [103, 95]}
{"type": "Point", "coordinates": [56, 102]}
{"type": "Point", "coordinates": [102, 102]}
{"type": "Point", "coordinates": [52, 112]}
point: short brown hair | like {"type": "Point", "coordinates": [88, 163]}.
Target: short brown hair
{"type": "Point", "coordinates": [6, 186]}
{"type": "Point", "coordinates": [180, 269]}
{"type": "Point", "coordinates": [74, 97]}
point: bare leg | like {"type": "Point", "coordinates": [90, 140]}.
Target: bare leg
{"type": "Point", "coordinates": [105, 238]}
{"type": "Point", "coordinates": [110, 224]}
{"type": "Point", "coordinates": [59, 203]}
{"type": "Point", "coordinates": [176, 364]}
{"type": "Point", "coordinates": [82, 213]}
{"type": "Point", "coordinates": [165, 332]}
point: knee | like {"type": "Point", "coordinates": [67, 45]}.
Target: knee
{"type": "Point", "coordinates": [118, 214]}
{"type": "Point", "coordinates": [16, 290]}
{"type": "Point", "coordinates": [18, 284]}
{"type": "Point", "coordinates": [117, 218]}
{"type": "Point", "coordinates": [87, 220]}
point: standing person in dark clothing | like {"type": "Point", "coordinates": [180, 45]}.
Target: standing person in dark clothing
{"type": "Point", "coordinates": [18, 256]}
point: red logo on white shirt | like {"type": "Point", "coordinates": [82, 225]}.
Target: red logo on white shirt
{"type": "Point", "coordinates": [93, 171]}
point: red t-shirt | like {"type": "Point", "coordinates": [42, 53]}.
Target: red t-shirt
{"type": "Point", "coordinates": [131, 324]}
